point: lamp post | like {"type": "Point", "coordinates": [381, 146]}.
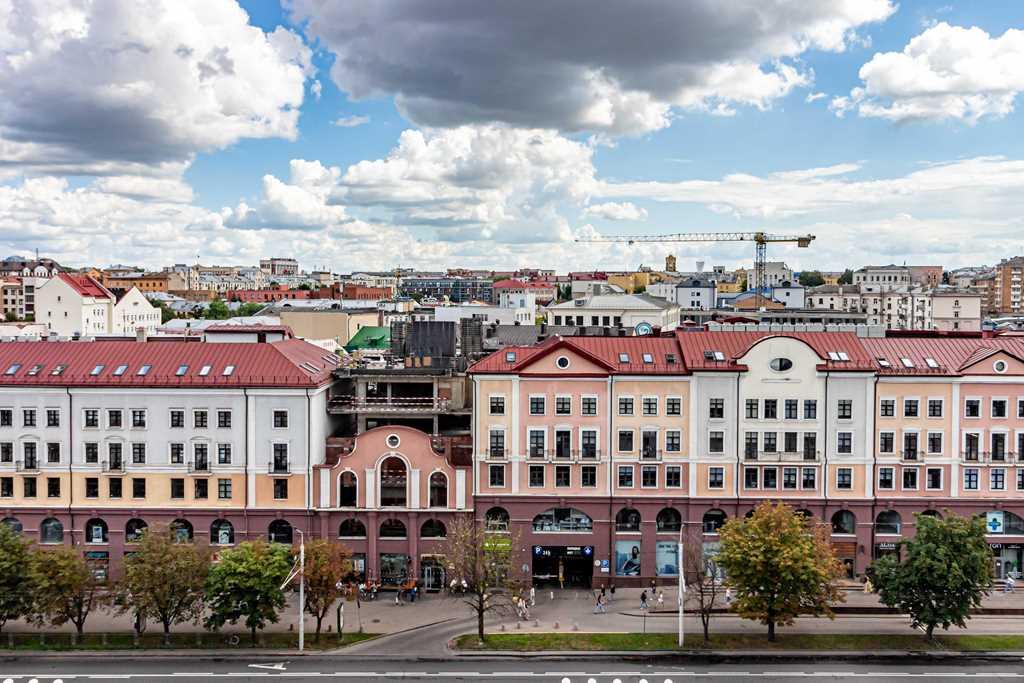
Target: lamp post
{"type": "Point", "coordinates": [682, 581]}
{"type": "Point", "coordinates": [301, 573]}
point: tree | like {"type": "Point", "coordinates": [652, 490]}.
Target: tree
{"type": "Point", "coordinates": [165, 313]}
{"type": "Point", "coordinates": [811, 278]}
{"type": "Point", "coordinates": [846, 278]}
{"type": "Point", "coordinates": [701, 574]}
{"type": "Point", "coordinates": [246, 584]}
{"type": "Point", "coordinates": [11, 316]}
{"type": "Point", "coordinates": [484, 560]}
{"type": "Point", "coordinates": [326, 564]}
{"type": "Point", "coordinates": [165, 579]}
{"type": "Point", "coordinates": [304, 287]}
{"type": "Point", "coordinates": [218, 310]}
{"type": "Point", "coordinates": [780, 565]}
{"type": "Point", "coordinates": [16, 592]}
{"type": "Point", "coordinates": [944, 576]}
{"type": "Point", "coordinates": [65, 588]}
{"type": "Point", "coordinates": [250, 308]}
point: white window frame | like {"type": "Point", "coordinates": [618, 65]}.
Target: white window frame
{"type": "Point", "coordinates": [529, 432]}
{"type": "Point", "coordinates": [757, 487]}
{"type": "Point", "coordinates": [942, 479]}
{"type": "Point", "coordinates": [618, 399]}
{"type": "Point", "coordinates": [529, 479]}
{"type": "Point", "coordinates": [288, 417]}
{"type": "Point", "coordinates": [977, 477]}
{"type": "Point", "coordinates": [618, 476]}
{"type": "Point", "coordinates": [904, 415]}
{"type": "Point", "coordinates": [853, 479]}
{"type": "Point", "coordinates": [967, 399]}
{"type": "Point", "coordinates": [942, 402]}
{"type": "Point", "coordinates": [853, 446]}
{"type": "Point", "coordinates": [892, 472]}
{"type": "Point", "coordinates": [678, 468]}
{"type": "Point", "coordinates": [887, 400]}
{"type": "Point", "coordinates": [657, 406]}
{"type": "Point", "coordinates": [597, 405]}
{"type": "Point", "coordinates": [504, 480]}
{"type": "Point", "coordinates": [717, 468]}
{"type": "Point", "coordinates": [723, 433]}
{"type": "Point", "coordinates": [558, 396]}
{"type": "Point", "coordinates": [991, 406]}
{"type": "Point", "coordinates": [529, 404]}
{"type": "Point", "coordinates": [504, 404]}
{"type": "Point", "coordinates": [680, 399]}
{"type": "Point", "coordinates": [617, 442]}
{"type": "Point", "coordinates": [928, 441]}
{"type": "Point", "coordinates": [917, 479]}
{"type": "Point", "coordinates": [644, 468]}
{"type": "Point", "coordinates": [991, 476]}
{"type": "Point", "coordinates": [891, 432]}
{"type": "Point", "coordinates": [673, 431]}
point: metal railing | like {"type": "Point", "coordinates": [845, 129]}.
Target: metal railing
{"type": "Point", "coordinates": [910, 454]}
{"type": "Point", "coordinates": [650, 454]}
{"type": "Point", "coordinates": [31, 465]}
{"type": "Point", "coordinates": [279, 467]}
{"type": "Point", "coordinates": [396, 404]}
{"type": "Point", "coordinates": [199, 466]}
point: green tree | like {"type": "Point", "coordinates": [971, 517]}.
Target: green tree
{"type": "Point", "coordinates": [16, 590]}
{"type": "Point", "coordinates": [165, 313]}
{"type": "Point", "coordinates": [944, 576]}
{"type": "Point", "coordinates": [326, 564]}
{"type": "Point", "coordinates": [846, 278]}
{"type": "Point", "coordinates": [246, 584]}
{"type": "Point", "coordinates": [304, 287]}
{"type": "Point", "coordinates": [780, 565]}
{"type": "Point", "coordinates": [811, 278]}
{"type": "Point", "coordinates": [65, 588]}
{"type": "Point", "coordinates": [248, 309]}
{"type": "Point", "coordinates": [218, 310]}
{"type": "Point", "coordinates": [10, 316]}
{"type": "Point", "coordinates": [165, 579]}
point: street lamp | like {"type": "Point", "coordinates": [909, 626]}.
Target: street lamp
{"type": "Point", "coordinates": [300, 572]}
{"type": "Point", "coordinates": [682, 580]}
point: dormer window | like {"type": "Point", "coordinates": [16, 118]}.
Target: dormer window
{"type": "Point", "coordinates": [907, 363]}
{"type": "Point", "coordinates": [120, 370]}
{"type": "Point", "coordinates": [930, 362]}
{"type": "Point", "coordinates": [14, 367]}
{"type": "Point", "coordinates": [229, 370]}
{"type": "Point", "coordinates": [144, 370]}
{"type": "Point", "coordinates": [182, 369]}
{"type": "Point", "coordinates": [648, 358]}
{"type": "Point", "coordinates": [623, 357]}
{"type": "Point", "coordinates": [204, 371]}
{"type": "Point", "coordinates": [96, 370]}
{"type": "Point", "coordinates": [510, 356]}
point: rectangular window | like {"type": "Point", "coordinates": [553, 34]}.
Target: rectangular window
{"type": "Point", "coordinates": [971, 479]}
{"type": "Point", "coordinates": [674, 406]}
{"type": "Point", "coordinates": [177, 453]}
{"type": "Point", "coordinates": [716, 477]}
{"type": "Point", "coordinates": [536, 405]}
{"type": "Point", "coordinates": [223, 419]}
{"type": "Point", "coordinates": [752, 406]}
{"type": "Point", "coordinates": [887, 407]}
{"type": "Point", "coordinates": [280, 489]}
{"type": "Point", "coordinates": [496, 476]}
{"type": "Point", "coordinates": [588, 476]}
{"type": "Point", "coordinates": [885, 479]}
{"type": "Point", "coordinates": [115, 419]}
{"type": "Point", "coordinates": [790, 442]}
{"type": "Point", "coordinates": [626, 477]}
{"type": "Point", "coordinates": [844, 442]}
{"type": "Point", "coordinates": [29, 484]}
{"type": "Point", "coordinates": [588, 444]}
{"type": "Point", "coordinates": [52, 418]}
{"type": "Point", "coordinates": [649, 477]}
{"type": "Point", "coordinates": [791, 408]}
{"type": "Point", "coordinates": [177, 419]}
{"type": "Point", "coordinates": [810, 445]}
{"type": "Point", "coordinates": [563, 405]}
{"type": "Point", "coordinates": [177, 488]}
{"type": "Point", "coordinates": [497, 405]}
{"type": "Point", "coordinates": [91, 418]}
{"type": "Point", "coordinates": [224, 489]}
{"type": "Point", "coordinates": [789, 478]}
{"type": "Point", "coordinates": [650, 405]}
{"type": "Point", "coordinates": [92, 487]}
{"type": "Point", "coordinates": [537, 438]}
{"type": "Point", "coordinates": [138, 419]}
{"type": "Point", "coordinates": [625, 406]}
{"type": "Point", "coordinates": [6, 417]}
{"type": "Point", "coordinates": [588, 406]}
{"type": "Point", "coordinates": [280, 419]}
{"type": "Point", "coordinates": [201, 490]}
{"type": "Point", "coordinates": [844, 410]}
{"type": "Point", "coordinates": [934, 407]}
{"type": "Point", "coordinates": [910, 407]}
{"type": "Point", "coordinates": [886, 442]}
{"type": "Point", "coordinates": [496, 443]}
{"type": "Point", "coordinates": [972, 407]}
{"type": "Point", "coordinates": [771, 443]}
{"type": "Point", "coordinates": [138, 488]}
{"type": "Point", "coordinates": [999, 408]}
{"type": "Point", "coordinates": [626, 441]}
{"type": "Point", "coordinates": [909, 478]}
{"type": "Point", "coordinates": [116, 487]}
{"type": "Point", "coordinates": [1020, 407]}
{"type": "Point", "coordinates": [536, 476]}
{"type": "Point", "coordinates": [138, 454]}
{"type": "Point", "coordinates": [935, 442]}
{"type": "Point", "coordinates": [52, 453]}
{"type": "Point", "coordinates": [674, 476]}
{"type": "Point", "coordinates": [200, 419]}
{"type": "Point", "coordinates": [844, 478]}
{"type": "Point", "coordinates": [997, 479]}
{"type": "Point", "coordinates": [933, 479]}
{"type": "Point", "coordinates": [716, 442]}
{"type": "Point", "coordinates": [28, 417]}
{"type": "Point", "coordinates": [810, 410]}
{"type": "Point", "coordinates": [751, 441]}
{"type": "Point", "coordinates": [92, 453]}
{"type": "Point", "coordinates": [6, 487]}
{"type": "Point", "coordinates": [770, 478]}
{"type": "Point", "coordinates": [771, 409]}
{"type": "Point", "coordinates": [910, 445]}
{"type": "Point", "coordinates": [1020, 479]}
{"type": "Point", "coordinates": [673, 441]}
{"type": "Point", "coordinates": [223, 454]}
{"type": "Point", "coordinates": [750, 477]}
{"type": "Point", "coordinates": [52, 487]}
{"type": "Point", "coordinates": [716, 409]}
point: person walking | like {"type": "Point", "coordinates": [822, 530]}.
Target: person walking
{"type": "Point", "coordinates": [533, 596]}
{"type": "Point", "coordinates": [1010, 586]}
{"type": "Point", "coordinates": [643, 601]}
{"type": "Point", "coordinates": [661, 599]}
{"type": "Point", "coordinates": [597, 604]}
{"type": "Point", "coordinates": [612, 593]}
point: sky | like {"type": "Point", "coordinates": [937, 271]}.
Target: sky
{"type": "Point", "coordinates": [433, 134]}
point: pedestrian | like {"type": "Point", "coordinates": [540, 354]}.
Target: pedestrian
{"type": "Point", "coordinates": [603, 594]}
{"type": "Point", "coordinates": [643, 600]}
{"type": "Point", "coordinates": [868, 586]}
{"type": "Point", "coordinates": [413, 593]}
{"type": "Point", "coordinates": [533, 596]}
{"type": "Point", "coordinates": [597, 604]}
{"type": "Point", "coordinates": [612, 593]}
{"type": "Point", "coordinates": [1011, 585]}
{"type": "Point", "coordinates": [654, 586]}
{"type": "Point", "coordinates": [728, 597]}
{"type": "Point", "coordinates": [661, 599]}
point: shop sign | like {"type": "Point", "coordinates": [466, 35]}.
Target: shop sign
{"type": "Point", "coordinates": [604, 566]}
{"type": "Point", "coordinates": [994, 522]}
{"type": "Point", "coordinates": [886, 546]}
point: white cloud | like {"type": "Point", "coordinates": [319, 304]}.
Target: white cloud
{"type": "Point", "coordinates": [351, 121]}
{"type": "Point", "coordinates": [946, 72]}
{"type": "Point", "coordinates": [616, 211]}
{"type": "Point", "coordinates": [814, 97]}
{"type": "Point", "coordinates": [119, 86]}
{"type": "Point", "coordinates": [578, 65]}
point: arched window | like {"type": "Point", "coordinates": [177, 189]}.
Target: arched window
{"type": "Point", "coordinates": [438, 490]}
{"type": "Point", "coordinates": [393, 478]}
{"type": "Point", "coordinates": [843, 522]}
{"type": "Point", "coordinates": [96, 531]}
{"type": "Point", "coordinates": [888, 522]}
{"type": "Point", "coordinates": [51, 531]}
{"type": "Point", "coordinates": [669, 519]}
{"type": "Point", "coordinates": [348, 491]}
{"type": "Point", "coordinates": [1003, 522]}
{"type": "Point", "coordinates": [931, 513]}
{"type": "Point", "coordinates": [496, 519]}
{"type": "Point", "coordinates": [133, 530]}
{"type": "Point", "coordinates": [13, 524]}
{"type": "Point", "coordinates": [352, 528]}
{"type": "Point", "coordinates": [392, 528]}
{"type": "Point", "coordinates": [222, 532]}
{"type": "Point", "coordinates": [280, 531]}
{"type": "Point", "coordinates": [433, 528]}
{"type": "Point", "coordinates": [713, 521]}
{"type": "Point", "coordinates": [182, 530]}
{"type": "Point", "coordinates": [805, 513]}
{"type": "Point", "coordinates": [563, 519]}
{"type": "Point", "coordinates": [628, 519]}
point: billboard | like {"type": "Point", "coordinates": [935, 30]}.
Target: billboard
{"type": "Point", "coordinates": [627, 558]}
{"type": "Point", "coordinates": [666, 558]}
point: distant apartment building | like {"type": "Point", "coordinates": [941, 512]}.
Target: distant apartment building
{"type": "Point", "coordinates": [164, 281]}
{"type": "Point", "coordinates": [455, 289]}
{"type": "Point", "coordinates": [1009, 276]}
{"type": "Point", "coordinates": [689, 294]}
{"type": "Point", "coordinates": [897, 306]}
{"type": "Point", "coordinates": [267, 295]}
{"type": "Point", "coordinates": [72, 304]}
{"type": "Point", "coordinates": [279, 266]}
{"type": "Point", "coordinates": [639, 312]}
{"type": "Point", "coordinates": [775, 274]}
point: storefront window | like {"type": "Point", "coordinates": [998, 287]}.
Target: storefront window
{"type": "Point", "coordinates": [393, 483]}
{"type": "Point", "coordinates": [843, 522]}
{"type": "Point", "coordinates": [713, 521]}
{"type": "Point", "coordinates": [394, 569]}
{"type": "Point", "coordinates": [627, 519]}
{"type": "Point", "coordinates": [563, 519]}
{"type": "Point", "coordinates": [669, 520]}
{"type": "Point", "coordinates": [666, 558]}
{"type": "Point", "coordinates": [888, 522]}
{"type": "Point", "coordinates": [627, 558]}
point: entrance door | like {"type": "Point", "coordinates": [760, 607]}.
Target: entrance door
{"type": "Point", "coordinates": [432, 575]}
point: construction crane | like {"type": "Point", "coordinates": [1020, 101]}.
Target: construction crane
{"type": "Point", "coordinates": [760, 239]}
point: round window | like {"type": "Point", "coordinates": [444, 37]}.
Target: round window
{"type": "Point", "coordinates": [562, 362]}
{"type": "Point", "coordinates": [999, 366]}
{"type": "Point", "coordinates": [393, 441]}
{"type": "Point", "coordinates": [781, 364]}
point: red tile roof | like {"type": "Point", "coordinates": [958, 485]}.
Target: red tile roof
{"type": "Point", "coordinates": [86, 286]}
{"type": "Point", "coordinates": [222, 328]}
{"type": "Point", "coordinates": [734, 344]}
{"type": "Point", "coordinates": [952, 354]}
{"type": "Point", "coordinates": [287, 363]}
{"type": "Point", "coordinates": [508, 284]}
{"type": "Point", "coordinates": [602, 350]}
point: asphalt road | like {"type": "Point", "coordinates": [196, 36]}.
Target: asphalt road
{"type": "Point", "coordinates": [197, 669]}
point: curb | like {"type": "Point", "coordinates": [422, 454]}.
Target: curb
{"type": "Point", "coordinates": [723, 656]}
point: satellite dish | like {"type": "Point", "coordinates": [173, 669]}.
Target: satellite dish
{"type": "Point", "coordinates": [643, 329]}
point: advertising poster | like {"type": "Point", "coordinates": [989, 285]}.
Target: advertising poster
{"type": "Point", "coordinates": [666, 557]}
{"type": "Point", "coordinates": [627, 558]}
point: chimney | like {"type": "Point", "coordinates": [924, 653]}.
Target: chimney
{"type": "Point", "coordinates": [140, 334]}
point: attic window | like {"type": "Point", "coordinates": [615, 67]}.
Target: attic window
{"type": "Point", "coordinates": [562, 362]}
{"type": "Point", "coordinates": [97, 370]}
{"type": "Point", "coordinates": [34, 370]}
{"type": "Point", "coordinates": [833, 356]}
{"type": "Point", "coordinates": [930, 362]}
{"type": "Point", "coordinates": [907, 363]}
{"type": "Point", "coordinates": [670, 358]}
{"type": "Point", "coordinates": [844, 356]}
{"type": "Point", "coordinates": [719, 356]}
{"type": "Point", "coordinates": [623, 357]}
{"type": "Point", "coordinates": [182, 369]}
{"type": "Point", "coordinates": [510, 356]}
{"type": "Point", "coordinates": [648, 358]}
{"type": "Point", "coordinates": [884, 362]}
{"type": "Point", "coordinates": [204, 371]}
{"type": "Point", "coordinates": [144, 370]}
{"type": "Point", "coordinates": [13, 369]}
{"type": "Point", "coordinates": [59, 370]}
{"type": "Point", "coordinates": [229, 370]}
{"type": "Point", "coordinates": [120, 370]}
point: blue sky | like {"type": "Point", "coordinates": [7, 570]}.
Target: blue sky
{"type": "Point", "coordinates": [494, 134]}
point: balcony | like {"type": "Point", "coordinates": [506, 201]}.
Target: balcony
{"type": "Point", "coordinates": [199, 466]}
{"type": "Point", "coordinates": [113, 466]}
{"type": "Point", "coordinates": [279, 467]}
{"type": "Point", "coordinates": [426, 405]}
{"type": "Point", "coordinates": [586, 454]}
{"type": "Point", "coordinates": [785, 456]}
{"type": "Point", "coordinates": [497, 453]}
{"type": "Point", "coordinates": [28, 465]}
{"type": "Point", "coordinates": [540, 454]}
{"type": "Point", "coordinates": [910, 454]}
{"type": "Point", "coordinates": [650, 454]}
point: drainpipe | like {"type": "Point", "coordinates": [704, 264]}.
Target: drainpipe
{"type": "Point", "coordinates": [739, 453]}
{"type": "Point", "coordinates": [309, 459]}
{"type": "Point", "coordinates": [824, 449]}
{"type": "Point", "coordinates": [245, 476]}
{"type": "Point", "coordinates": [71, 451]}
{"type": "Point", "coordinates": [611, 480]}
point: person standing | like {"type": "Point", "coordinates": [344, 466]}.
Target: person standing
{"type": "Point", "coordinates": [533, 596]}
{"type": "Point", "coordinates": [661, 599]}
{"type": "Point", "coordinates": [612, 593]}
{"type": "Point", "coordinates": [643, 600]}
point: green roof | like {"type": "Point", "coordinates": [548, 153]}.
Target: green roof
{"type": "Point", "coordinates": [370, 339]}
